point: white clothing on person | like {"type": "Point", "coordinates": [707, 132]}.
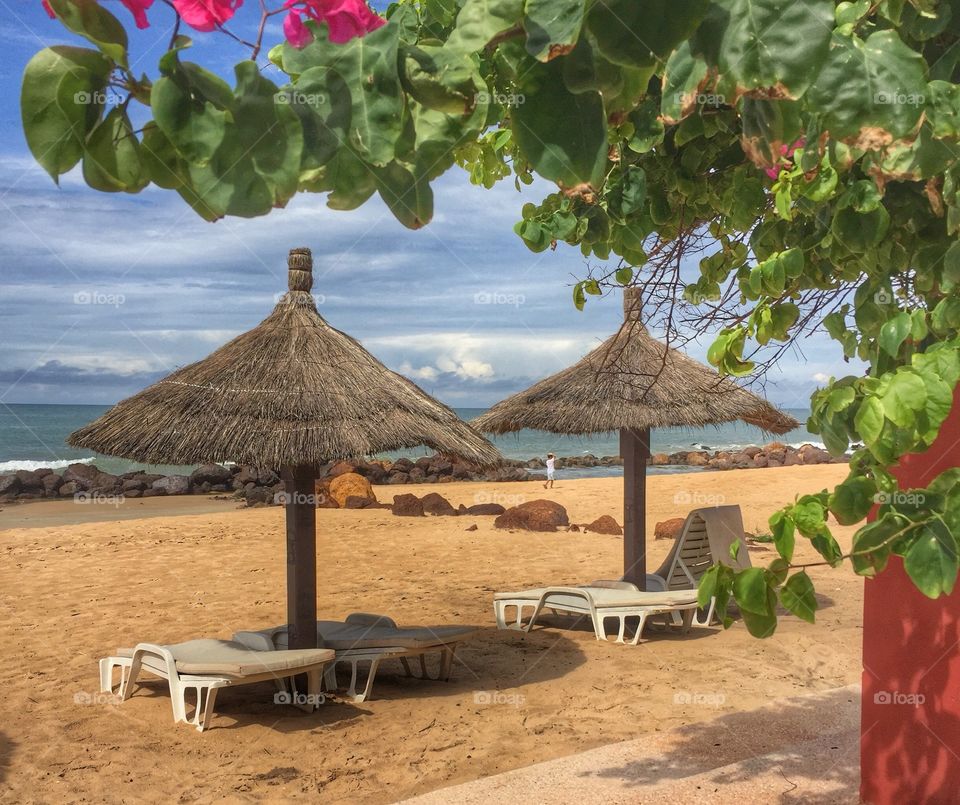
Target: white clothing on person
{"type": "Point", "coordinates": [550, 468]}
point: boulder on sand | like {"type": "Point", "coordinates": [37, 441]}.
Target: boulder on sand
{"type": "Point", "coordinates": [407, 506]}
{"type": "Point", "coordinates": [173, 485]}
{"type": "Point", "coordinates": [604, 524]}
{"type": "Point", "coordinates": [211, 474]}
{"type": "Point", "coordinates": [435, 503]}
{"type": "Point", "coordinates": [482, 508]}
{"type": "Point", "coordinates": [668, 529]}
{"type": "Point", "coordinates": [350, 484]}
{"type": "Point", "coordinates": [534, 515]}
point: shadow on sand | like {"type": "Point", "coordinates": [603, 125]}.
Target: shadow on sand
{"type": "Point", "coordinates": [487, 665]}
{"type": "Point", "coordinates": [745, 738]}
{"type": "Point", "coordinates": [6, 754]}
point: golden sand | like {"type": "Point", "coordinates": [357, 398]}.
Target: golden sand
{"type": "Point", "coordinates": [71, 592]}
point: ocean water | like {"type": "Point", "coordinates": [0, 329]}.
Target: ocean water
{"type": "Point", "coordinates": [34, 436]}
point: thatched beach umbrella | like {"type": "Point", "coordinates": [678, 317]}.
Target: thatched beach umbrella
{"type": "Point", "coordinates": [632, 383]}
{"type": "Point", "coordinates": [289, 395]}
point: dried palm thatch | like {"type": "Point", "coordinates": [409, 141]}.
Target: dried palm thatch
{"type": "Point", "coordinates": [635, 382]}
{"type": "Point", "coordinates": [291, 392]}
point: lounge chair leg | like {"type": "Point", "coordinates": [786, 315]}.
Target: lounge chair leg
{"type": "Point", "coordinates": [623, 626]}
{"type": "Point", "coordinates": [131, 681]}
{"type": "Point", "coordinates": [423, 666]}
{"type": "Point", "coordinates": [688, 616]}
{"type": "Point", "coordinates": [446, 663]}
{"type": "Point", "coordinates": [107, 664]}
{"type": "Point", "coordinates": [498, 614]}
{"type": "Point", "coordinates": [406, 668]}
{"type": "Point", "coordinates": [202, 717]}
{"type": "Point", "coordinates": [639, 633]}
{"type": "Point", "coordinates": [371, 675]}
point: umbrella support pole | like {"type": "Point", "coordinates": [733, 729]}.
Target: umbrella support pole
{"type": "Point", "coordinates": [635, 450]}
{"type": "Point", "coordinates": [301, 558]}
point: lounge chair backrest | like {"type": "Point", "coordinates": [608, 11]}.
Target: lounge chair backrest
{"type": "Point", "coordinates": [705, 538]}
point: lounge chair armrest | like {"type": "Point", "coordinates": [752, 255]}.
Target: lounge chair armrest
{"type": "Point", "coordinates": [369, 619]}
{"type": "Point", "coordinates": [162, 653]}
{"type": "Point", "coordinates": [255, 641]}
{"type": "Point", "coordinates": [655, 583]}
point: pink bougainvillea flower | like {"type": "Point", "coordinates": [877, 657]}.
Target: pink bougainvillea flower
{"type": "Point", "coordinates": [786, 157]}
{"type": "Point", "coordinates": [139, 10]}
{"type": "Point", "coordinates": [345, 19]}
{"type": "Point", "coordinates": [205, 15]}
{"type": "Point", "coordinates": [296, 32]}
{"type": "Point", "coordinates": [136, 7]}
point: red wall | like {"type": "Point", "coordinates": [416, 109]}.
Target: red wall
{"type": "Point", "coordinates": [910, 746]}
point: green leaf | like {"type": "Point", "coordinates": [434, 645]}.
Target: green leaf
{"type": "Point", "coordinates": [859, 232]}
{"type": "Point", "coordinates": [409, 199]}
{"type": "Point", "coordinates": [869, 420]}
{"type": "Point", "coordinates": [797, 595]}
{"type": "Point", "coordinates": [852, 500]}
{"type": "Point", "coordinates": [60, 103]}
{"type": "Point", "coordinates": [783, 530]}
{"type": "Point", "coordinates": [552, 27]}
{"type": "Point", "coordinates": [191, 116]}
{"type": "Point", "coordinates": [904, 396]}
{"type": "Point", "coordinates": [683, 77]}
{"type": "Point", "coordinates": [771, 48]}
{"type": "Point", "coordinates": [931, 562]}
{"type": "Point", "coordinates": [579, 299]}
{"type": "Point", "coordinates": [568, 148]}
{"type": "Point", "coordinates": [894, 332]}
{"type": "Point", "coordinates": [111, 159]}
{"type": "Point", "coordinates": [870, 91]}
{"type": "Point", "coordinates": [638, 34]}
{"type": "Point", "coordinates": [479, 21]}
{"type": "Point", "coordinates": [321, 100]}
{"type": "Point", "coordinates": [751, 592]}
{"type": "Point", "coordinates": [707, 588]}
{"type": "Point", "coordinates": [810, 516]}
{"type": "Point", "coordinates": [97, 25]}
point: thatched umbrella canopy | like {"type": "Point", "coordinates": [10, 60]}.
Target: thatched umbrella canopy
{"type": "Point", "coordinates": [632, 383]}
{"type": "Point", "coordinates": [288, 395]}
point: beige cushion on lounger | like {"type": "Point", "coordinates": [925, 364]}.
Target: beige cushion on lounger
{"type": "Point", "coordinates": [209, 657]}
{"type": "Point", "coordinates": [361, 631]}
{"type": "Point", "coordinates": [605, 596]}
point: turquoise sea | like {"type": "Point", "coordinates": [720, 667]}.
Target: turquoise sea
{"type": "Point", "coordinates": [33, 436]}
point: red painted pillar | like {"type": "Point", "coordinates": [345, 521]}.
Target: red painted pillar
{"type": "Point", "coordinates": [910, 722]}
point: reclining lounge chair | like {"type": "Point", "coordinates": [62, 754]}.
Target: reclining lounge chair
{"type": "Point", "coordinates": [205, 666]}
{"type": "Point", "coordinates": [372, 638]}
{"type": "Point", "coordinates": [707, 536]}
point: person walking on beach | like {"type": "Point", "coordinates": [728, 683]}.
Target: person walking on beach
{"type": "Point", "coordinates": [551, 469]}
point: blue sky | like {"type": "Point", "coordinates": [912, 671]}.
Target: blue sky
{"type": "Point", "coordinates": [105, 293]}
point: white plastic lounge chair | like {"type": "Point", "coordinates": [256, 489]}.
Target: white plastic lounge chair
{"type": "Point", "coordinates": [205, 666]}
{"type": "Point", "coordinates": [706, 537]}
{"type": "Point", "coordinates": [601, 601]}
{"type": "Point", "coordinates": [370, 638]}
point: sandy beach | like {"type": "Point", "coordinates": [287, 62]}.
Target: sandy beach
{"type": "Point", "coordinates": [78, 581]}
